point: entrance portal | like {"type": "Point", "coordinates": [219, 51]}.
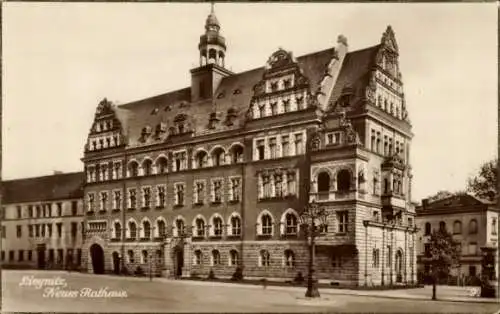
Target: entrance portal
{"type": "Point", "coordinates": [116, 263]}
{"type": "Point", "coordinates": [178, 261]}
{"type": "Point", "coordinates": [97, 256]}
{"type": "Point", "coordinates": [41, 258]}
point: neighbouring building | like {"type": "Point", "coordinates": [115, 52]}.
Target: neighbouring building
{"type": "Point", "coordinates": [42, 221]}
{"type": "Point", "coordinates": [215, 175]}
{"type": "Point", "coordinates": [473, 223]}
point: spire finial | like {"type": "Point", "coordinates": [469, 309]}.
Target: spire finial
{"type": "Point", "coordinates": [212, 4]}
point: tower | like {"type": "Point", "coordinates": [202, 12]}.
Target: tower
{"type": "Point", "coordinates": [212, 47]}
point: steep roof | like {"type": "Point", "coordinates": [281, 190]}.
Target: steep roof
{"type": "Point", "coordinates": [355, 72]}
{"type": "Point", "coordinates": [234, 93]}
{"type": "Point", "coordinates": [46, 188]}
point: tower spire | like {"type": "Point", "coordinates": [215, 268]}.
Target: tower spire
{"type": "Point", "coordinates": [212, 45]}
{"type": "Point", "coordinates": [212, 4]}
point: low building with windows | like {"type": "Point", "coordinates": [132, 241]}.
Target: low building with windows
{"type": "Point", "coordinates": [215, 175]}
{"type": "Point", "coordinates": [473, 223]}
{"type": "Point", "coordinates": [42, 221]}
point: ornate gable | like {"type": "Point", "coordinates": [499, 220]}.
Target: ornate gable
{"type": "Point", "coordinates": [106, 131]}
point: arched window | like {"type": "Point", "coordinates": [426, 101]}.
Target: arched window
{"type": "Point", "coordinates": [132, 227]}
{"type": "Point", "coordinates": [200, 227]}
{"type": "Point", "coordinates": [344, 180]}
{"type": "Point", "coordinates": [197, 258]}
{"type": "Point", "coordinates": [146, 227]}
{"type": "Point", "coordinates": [267, 224]}
{"type": "Point", "coordinates": [218, 157]}
{"type": "Point", "coordinates": [427, 228]}
{"type": "Point", "coordinates": [130, 255]}
{"type": "Point", "coordinates": [161, 228]}
{"type": "Point", "coordinates": [291, 224]}
{"type": "Point", "coordinates": [323, 182]}
{"type": "Point", "coordinates": [201, 159]}
{"type": "Point", "coordinates": [161, 165]}
{"type": "Point", "coordinates": [442, 226]}
{"type": "Point", "coordinates": [147, 167]}
{"type": "Point", "coordinates": [265, 258]}
{"type": "Point", "coordinates": [233, 258]}
{"type": "Point", "coordinates": [457, 227]}
{"type": "Point", "coordinates": [215, 257]}
{"type": "Point", "coordinates": [133, 169]}
{"type": "Point", "coordinates": [179, 227]}
{"type": "Point", "coordinates": [236, 154]}
{"type": "Point", "coordinates": [217, 226]}
{"type": "Point", "coordinates": [473, 226]}
{"type": "Point", "coordinates": [289, 258]}
{"type": "Point", "coordinates": [118, 230]}
{"type": "Point", "coordinates": [235, 225]}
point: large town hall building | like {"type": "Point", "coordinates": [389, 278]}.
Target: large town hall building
{"type": "Point", "coordinates": [215, 175]}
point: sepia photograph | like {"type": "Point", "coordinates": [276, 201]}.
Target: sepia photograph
{"type": "Point", "coordinates": [281, 157]}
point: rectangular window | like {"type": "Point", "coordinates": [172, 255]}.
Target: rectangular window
{"type": "Point", "coordinates": [285, 146]}
{"type": "Point", "coordinates": [146, 197]}
{"type": "Point", "coordinates": [199, 192]}
{"type": "Point", "coordinates": [117, 199]}
{"type": "Point", "coordinates": [11, 255]}
{"type": "Point", "coordinates": [291, 183]}
{"type": "Point", "coordinates": [4, 232]}
{"type": "Point", "coordinates": [59, 209]}
{"type": "Point", "coordinates": [217, 190]}
{"type": "Point", "coordinates": [37, 231]}
{"type": "Point", "coordinates": [274, 108]}
{"type": "Point", "coordinates": [278, 187]}
{"type": "Point", "coordinates": [59, 230]}
{"type": "Point", "coordinates": [19, 231]}
{"type": "Point", "coordinates": [49, 230]}
{"type": "Point", "coordinates": [266, 186]}
{"type": "Point", "coordinates": [132, 199]}
{"type": "Point", "coordinates": [299, 144]}
{"type": "Point", "coordinates": [74, 208]}
{"type": "Point", "coordinates": [21, 255]}
{"type": "Point", "coordinates": [235, 189]}
{"type": "Point", "coordinates": [19, 212]}
{"type": "Point", "coordinates": [90, 204]}
{"type": "Point", "coordinates": [3, 256]}
{"type": "Point", "coordinates": [286, 105]}
{"type": "Point", "coordinates": [30, 211]}
{"type": "Point", "coordinates": [180, 161]}
{"type": "Point", "coordinates": [30, 255]}
{"type": "Point", "coordinates": [343, 221]}
{"type": "Point", "coordinates": [272, 148]}
{"type": "Point", "coordinates": [427, 249]}
{"type": "Point", "coordinates": [260, 153]}
{"type": "Point", "coordinates": [160, 198]}
{"type": "Point", "coordinates": [30, 231]}
{"type": "Point", "coordinates": [42, 230]}
{"type": "Point", "coordinates": [179, 194]}
{"type": "Point", "coordinates": [74, 229]}
{"type": "Point", "coordinates": [104, 201]}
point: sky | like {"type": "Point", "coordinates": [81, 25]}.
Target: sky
{"type": "Point", "coordinates": [61, 59]}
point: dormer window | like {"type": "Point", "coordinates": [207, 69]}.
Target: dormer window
{"type": "Point", "coordinates": [287, 83]}
{"type": "Point", "coordinates": [274, 108]}
{"type": "Point", "coordinates": [180, 127]}
{"type": "Point", "coordinates": [155, 111]}
{"type": "Point", "coordinates": [262, 111]}
{"type": "Point", "coordinates": [108, 142]}
{"type": "Point", "coordinates": [213, 120]}
{"type": "Point", "coordinates": [94, 144]}
{"type": "Point", "coordinates": [171, 131]}
{"type": "Point", "coordinates": [221, 95]}
{"type": "Point", "coordinates": [108, 125]}
{"type": "Point", "coordinates": [160, 129]}
{"type": "Point", "coordinates": [286, 105]}
{"type": "Point", "coordinates": [101, 143]}
{"type": "Point", "coordinates": [237, 91]}
{"type": "Point", "coordinates": [300, 102]}
{"type": "Point", "coordinates": [231, 115]}
{"type": "Point", "coordinates": [168, 108]}
{"type": "Point", "coordinates": [274, 86]}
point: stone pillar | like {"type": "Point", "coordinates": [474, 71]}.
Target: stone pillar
{"type": "Point", "coordinates": [168, 260]}
{"type": "Point", "coordinates": [187, 249]}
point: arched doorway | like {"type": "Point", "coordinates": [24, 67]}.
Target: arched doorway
{"type": "Point", "coordinates": [178, 261]}
{"type": "Point", "coordinates": [97, 256]}
{"type": "Point", "coordinates": [398, 265]}
{"type": "Point", "coordinates": [116, 263]}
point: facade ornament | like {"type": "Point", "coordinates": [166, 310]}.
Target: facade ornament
{"type": "Point", "coordinates": [316, 142]}
{"type": "Point", "coordinates": [341, 39]}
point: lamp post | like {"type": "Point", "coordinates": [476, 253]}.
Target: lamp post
{"type": "Point", "coordinates": [312, 213]}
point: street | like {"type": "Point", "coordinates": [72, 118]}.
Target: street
{"type": "Point", "coordinates": [58, 291]}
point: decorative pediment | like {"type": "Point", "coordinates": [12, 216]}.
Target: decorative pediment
{"type": "Point", "coordinates": [280, 58]}
{"type": "Point", "coordinates": [389, 40]}
{"type": "Point", "coordinates": [105, 107]}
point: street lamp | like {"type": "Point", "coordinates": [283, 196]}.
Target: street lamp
{"type": "Point", "coordinates": [312, 213]}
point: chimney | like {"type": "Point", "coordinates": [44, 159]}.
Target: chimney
{"type": "Point", "coordinates": [425, 203]}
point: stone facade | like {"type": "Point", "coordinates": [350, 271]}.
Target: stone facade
{"type": "Point", "coordinates": [215, 176]}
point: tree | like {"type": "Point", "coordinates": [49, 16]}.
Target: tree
{"type": "Point", "coordinates": [443, 194]}
{"type": "Point", "coordinates": [485, 183]}
{"type": "Point", "coordinates": [444, 253]}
